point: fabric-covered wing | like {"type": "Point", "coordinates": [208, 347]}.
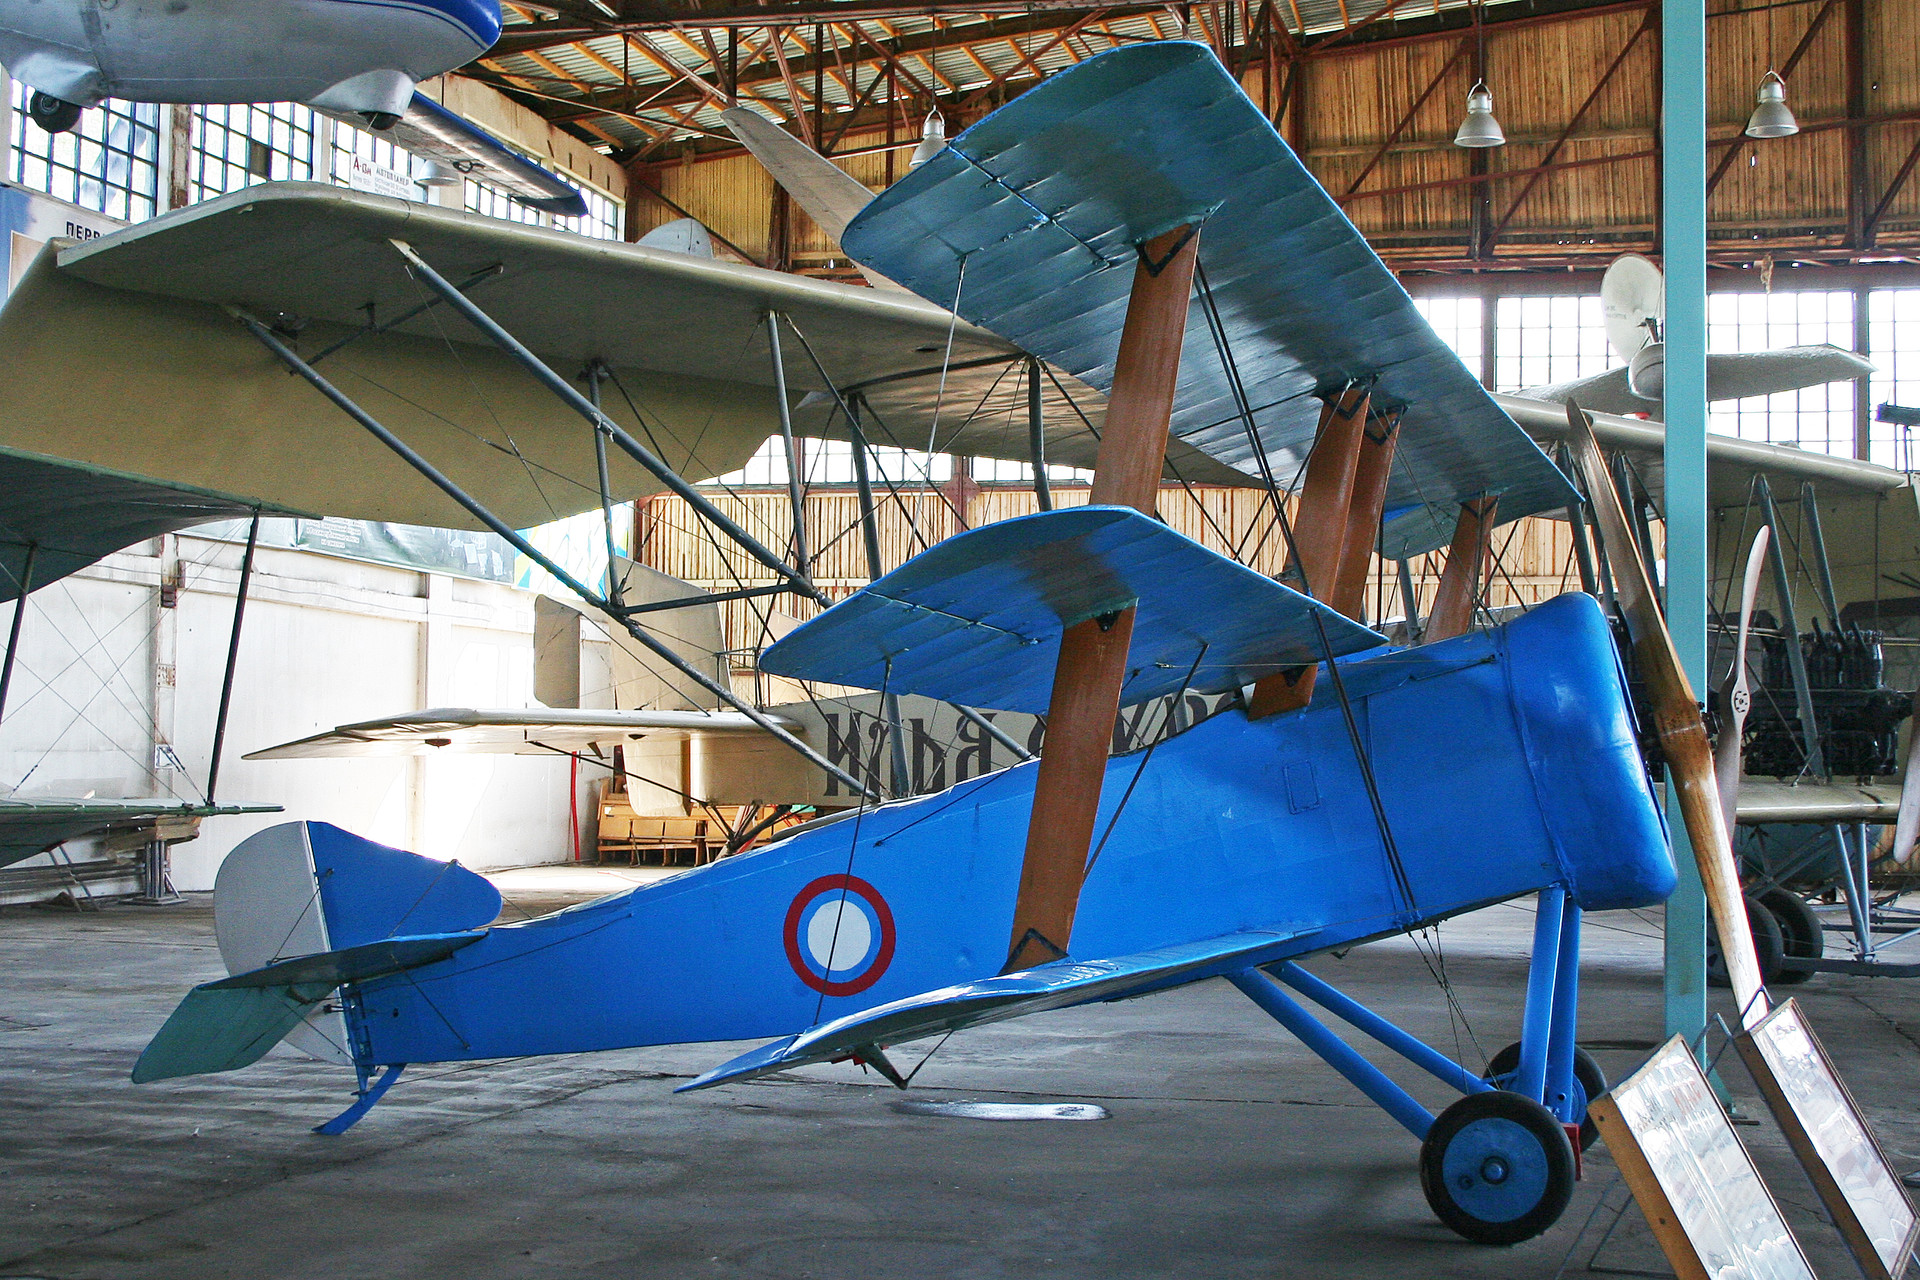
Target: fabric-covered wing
{"type": "Point", "coordinates": [977, 619]}
{"type": "Point", "coordinates": [1765, 800]}
{"type": "Point", "coordinates": [1731, 375]}
{"type": "Point", "coordinates": [1049, 986]}
{"type": "Point", "coordinates": [1731, 462]}
{"type": "Point", "coordinates": [173, 389]}
{"type": "Point", "coordinates": [540, 731]}
{"type": "Point", "coordinates": [73, 514]}
{"type": "Point", "coordinates": [34, 826]}
{"type": "Point", "coordinates": [1044, 200]}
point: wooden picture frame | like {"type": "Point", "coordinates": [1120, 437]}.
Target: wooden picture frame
{"type": "Point", "coordinates": [1712, 1215]}
{"type": "Point", "coordinates": [1834, 1142]}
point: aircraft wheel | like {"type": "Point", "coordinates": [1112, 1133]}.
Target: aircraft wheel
{"type": "Point", "coordinates": [1768, 945]}
{"type": "Point", "coordinates": [55, 115]}
{"type": "Point", "coordinates": [380, 121]}
{"type": "Point", "coordinates": [1586, 1072]}
{"type": "Point", "coordinates": [1497, 1168]}
{"type": "Point", "coordinates": [1802, 936]}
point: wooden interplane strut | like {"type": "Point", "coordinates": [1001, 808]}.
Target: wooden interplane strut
{"type": "Point", "coordinates": [1466, 562]}
{"type": "Point", "coordinates": [1093, 653]}
{"type": "Point", "coordinates": [1320, 530]}
{"type": "Point", "coordinates": [1370, 479]}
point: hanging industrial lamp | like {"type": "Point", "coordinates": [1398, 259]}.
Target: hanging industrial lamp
{"type": "Point", "coordinates": [933, 139]}
{"type": "Point", "coordinates": [1480, 129]}
{"type": "Point", "coordinates": [1770, 118]}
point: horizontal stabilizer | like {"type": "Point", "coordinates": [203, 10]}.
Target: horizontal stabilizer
{"type": "Point", "coordinates": [354, 964]}
{"type": "Point", "coordinates": [225, 1028]}
{"type": "Point", "coordinates": [225, 1025]}
{"type": "Point", "coordinates": [977, 619]}
{"type": "Point", "coordinates": [1055, 985]}
{"type": "Point", "coordinates": [535, 731]}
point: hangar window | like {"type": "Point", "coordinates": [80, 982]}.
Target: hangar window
{"type": "Point", "coordinates": [1459, 322]}
{"type": "Point", "coordinates": [495, 203]}
{"type": "Point", "coordinates": [231, 147]}
{"type": "Point", "coordinates": [830, 463]}
{"type": "Point", "coordinates": [1893, 325]}
{"type": "Point", "coordinates": [1818, 418]}
{"type": "Point", "coordinates": [1542, 340]}
{"type": "Point", "coordinates": [1003, 471]}
{"type": "Point", "coordinates": [604, 216]}
{"type": "Point", "coordinates": [109, 163]}
{"type": "Point", "coordinates": [602, 221]}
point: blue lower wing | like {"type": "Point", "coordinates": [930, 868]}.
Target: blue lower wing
{"type": "Point", "coordinates": [1011, 995]}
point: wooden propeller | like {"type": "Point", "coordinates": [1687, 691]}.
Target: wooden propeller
{"type": "Point", "coordinates": [1735, 697]}
{"type": "Point", "coordinates": [1677, 723]}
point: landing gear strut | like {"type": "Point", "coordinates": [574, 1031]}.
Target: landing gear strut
{"type": "Point", "coordinates": [55, 115]}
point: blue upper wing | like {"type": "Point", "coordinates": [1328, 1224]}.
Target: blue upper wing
{"type": "Point", "coordinates": [1026, 224]}
{"type": "Point", "coordinates": [977, 619]}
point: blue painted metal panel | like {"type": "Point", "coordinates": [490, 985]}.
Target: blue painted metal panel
{"type": "Point", "coordinates": [1044, 200]}
{"type": "Point", "coordinates": [370, 892]}
{"type": "Point", "coordinates": [1056, 985]}
{"type": "Point", "coordinates": [977, 619]}
{"type": "Point", "coordinates": [917, 895]}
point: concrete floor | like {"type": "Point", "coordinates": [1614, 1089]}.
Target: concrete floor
{"type": "Point", "coordinates": [1230, 1152]}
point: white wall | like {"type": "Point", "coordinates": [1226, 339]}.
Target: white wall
{"type": "Point", "coordinates": [105, 673]}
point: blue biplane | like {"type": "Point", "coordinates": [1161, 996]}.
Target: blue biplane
{"type": "Point", "coordinates": [1086, 222]}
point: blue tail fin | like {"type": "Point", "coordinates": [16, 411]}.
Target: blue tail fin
{"type": "Point", "coordinates": [300, 909]}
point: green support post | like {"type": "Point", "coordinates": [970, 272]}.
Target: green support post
{"type": "Point", "coordinates": [1683, 233]}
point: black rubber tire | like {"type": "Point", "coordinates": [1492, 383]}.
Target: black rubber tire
{"type": "Point", "coordinates": [1585, 1070]}
{"type": "Point", "coordinates": [55, 115]}
{"type": "Point", "coordinates": [380, 121]}
{"type": "Point", "coordinates": [1801, 934]}
{"type": "Point", "coordinates": [1510, 1175]}
{"type": "Point", "coordinates": [1768, 946]}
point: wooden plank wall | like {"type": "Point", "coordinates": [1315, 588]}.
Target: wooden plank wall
{"type": "Point", "coordinates": [1534, 555]}
{"type": "Point", "coordinates": [1781, 194]}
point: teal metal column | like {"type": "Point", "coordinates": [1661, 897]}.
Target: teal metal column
{"type": "Point", "coordinates": [1683, 232]}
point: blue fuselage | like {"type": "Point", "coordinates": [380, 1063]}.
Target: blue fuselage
{"type": "Point", "coordinates": [1506, 763]}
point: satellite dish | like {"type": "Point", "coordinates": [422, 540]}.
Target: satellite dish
{"type": "Point", "coordinates": [1632, 293]}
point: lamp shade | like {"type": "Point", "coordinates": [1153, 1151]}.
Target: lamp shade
{"type": "Point", "coordinates": [933, 139]}
{"type": "Point", "coordinates": [1480, 129]}
{"type": "Point", "coordinates": [1771, 118]}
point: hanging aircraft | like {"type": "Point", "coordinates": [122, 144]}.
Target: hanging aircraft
{"type": "Point", "coordinates": [360, 58]}
{"type": "Point", "coordinates": [1135, 224]}
{"type": "Point", "coordinates": [356, 62]}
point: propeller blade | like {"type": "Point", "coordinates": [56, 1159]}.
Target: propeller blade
{"type": "Point", "coordinates": [1734, 695]}
{"type": "Point", "coordinates": [1676, 721]}
{"type": "Point", "coordinates": [1907, 824]}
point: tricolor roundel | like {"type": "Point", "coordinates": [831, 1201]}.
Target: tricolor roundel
{"type": "Point", "coordinates": [839, 935]}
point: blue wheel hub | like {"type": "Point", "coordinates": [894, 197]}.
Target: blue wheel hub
{"type": "Point", "coordinates": [1495, 1170]}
